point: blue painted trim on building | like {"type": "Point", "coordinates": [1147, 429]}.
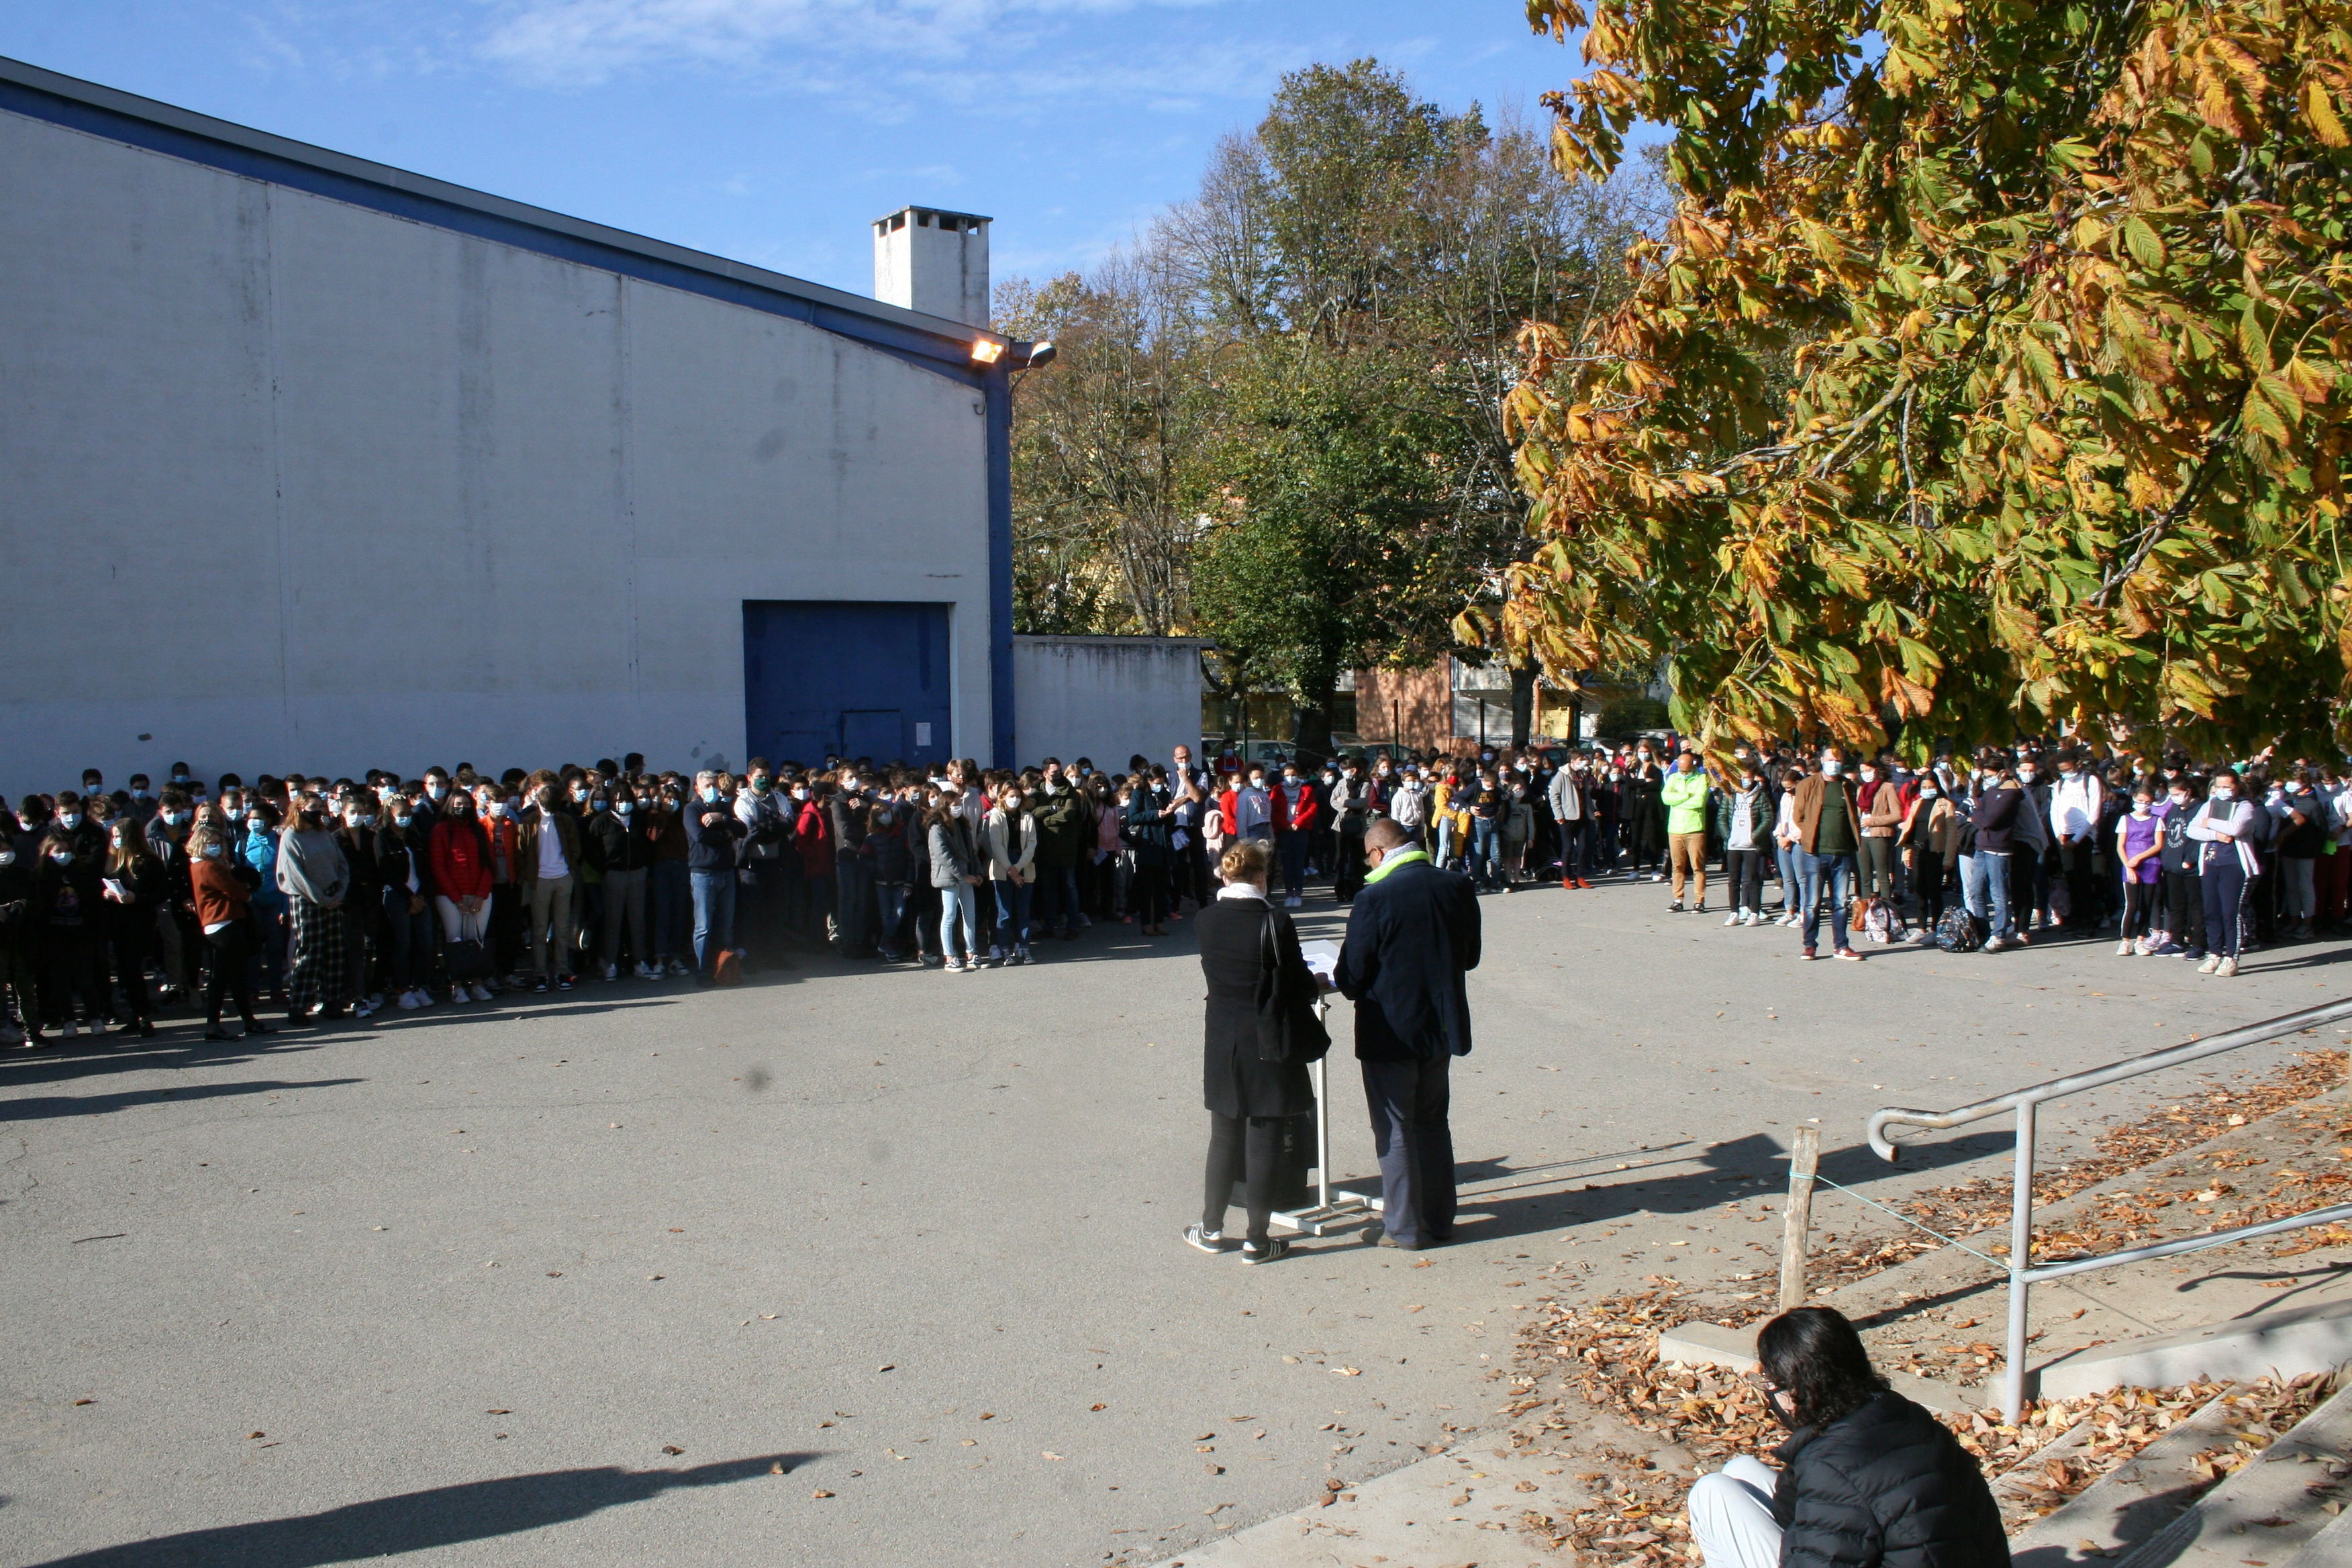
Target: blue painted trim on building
{"type": "Point", "coordinates": [943, 354]}
{"type": "Point", "coordinates": [999, 562]}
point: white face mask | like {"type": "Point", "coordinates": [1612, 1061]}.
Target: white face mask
{"type": "Point", "coordinates": [2141, 808]}
{"type": "Point", "coordinates": [1870, 775]}
{"type": "Point", "coordinates": [2224, 795]}
{"type": "Point", "coordinates": [1927, 794]}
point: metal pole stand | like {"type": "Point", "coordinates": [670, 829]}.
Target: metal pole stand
{"type": "Point", "coordinates": [1331, 1212]}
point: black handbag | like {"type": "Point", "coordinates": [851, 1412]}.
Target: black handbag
{"type": "Point", "coordinates": [1289, 1031]}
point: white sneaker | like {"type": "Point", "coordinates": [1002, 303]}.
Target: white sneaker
{"type": "Point", "coordinates": [1657, 876]}
{"type": "Point", "coordinates": [1735, 919]}
{"type": "Point", "coordinates": [2212, 962]}
{"type": "Point", "coordinates": [2229, 967]}
{"type": "Point", "coordinates": [647, 971]}
{"type": "Point", "coordinates": [1294, 902]}
{"type": "Point", "coordinates": [612, 972]}
{"type": "Point", "coordinates": [360, 1010]}
{"type": "Point", "coordinates": [480, 993]}
{"type": "Point", "coordinates": [2127, 949]}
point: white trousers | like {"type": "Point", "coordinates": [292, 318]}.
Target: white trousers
{"type": "Point", "coordinates": [1731, 1516]}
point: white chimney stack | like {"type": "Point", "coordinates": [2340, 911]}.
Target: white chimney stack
{"type": "Point", "coordinates": [933, 261]}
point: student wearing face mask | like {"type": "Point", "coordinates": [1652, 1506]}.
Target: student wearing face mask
{"type": "Point", "coordinates": [712, 834]}
{"type": "Point", "coordinates": [955, 861]}
{"type": "Point", "coordinates": [131, 886]}
{"type": "Point", "coordinates": [1744, 817]}
{"type": "Point", "coordinates": [314, 877]}
{"type": "Point", "coordinates": [1827, 822]}
{"type": "Point", "coordinates": [887, 851]}
{"type": "Point", "coordinates": [2077, 801]}
{"type": "Point", "coordinates": [2224, 829]}
{"type": "Point", "coordinates": [1642, 813]}
{"type": "Point", "coordinates": [364, 946]}
{"type": "Point", "coordinates": [2139, 847]}
{"type": "Point", "coordinates": [618, 840]}
{"type": "Point", "coordinates": [1683, 795]}
{"type": "Point", "coordinates": [224, 890]}
{"type": "Point", "coordinates": [1868, 1479]}
{"type": "Point", "coordinates": [853, 873]}
{"type": "Point", "coordinates": [547, 863]}
{"type": "Point", "coordinates": [669, 882]}
{"type": "Point", "coordinates": [1883, 807]}
{"type": "Point", "coordinates": [257, 852]}
{"type": "Point", "coordinates": [461, 851]}
{"type": "Point", "coordinates": [812, 841]}
{"type": "Point", "coordinates": [71, 955]}
{"type": "Point", "coordinates": [401, 856]}
{"type": "Point", "coordinates": [2033, 859]}
{"type": "Point", "coordinates": [1009, 834]}
{"type": "Point", "coordinates": [177, 943]}
{"type": "Point", "coordinates": [766, 813]}
{"type": "Point", "coordinates": [1929, 841]}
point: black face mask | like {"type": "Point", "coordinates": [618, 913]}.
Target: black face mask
{"type": "Point", "coordinates": [1782, 1405]}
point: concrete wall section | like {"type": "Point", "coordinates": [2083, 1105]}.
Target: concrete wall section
{"type": "Point", "coordinates": [1106, 698]}
{"type": "Point", "coordinates": [287, 483]}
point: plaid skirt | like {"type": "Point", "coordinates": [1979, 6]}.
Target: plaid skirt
{"type": "Point", "coordinates": [321, 974]}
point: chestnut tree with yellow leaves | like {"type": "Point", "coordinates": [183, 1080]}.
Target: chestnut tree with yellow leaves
{"type": "Point", "coordinates": [1991, 377]}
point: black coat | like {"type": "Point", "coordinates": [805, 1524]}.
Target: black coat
{"type": "Point", "coordinates": [1411, 936]}
{"type": "Point", "coordinates": [1234, 1081]}
{"type": "Point", "coordinates": [1885, 1485]}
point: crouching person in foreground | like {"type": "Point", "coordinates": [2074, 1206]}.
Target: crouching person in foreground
{"type": "Point", "coordinates": [1868, 1479]}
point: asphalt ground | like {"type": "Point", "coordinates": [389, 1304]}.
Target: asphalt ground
{"type": "Point", "coordinates": [634, 1274]}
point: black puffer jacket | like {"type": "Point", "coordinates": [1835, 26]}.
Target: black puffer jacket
{"type": "Point", "coordinates": [1885, 1485]}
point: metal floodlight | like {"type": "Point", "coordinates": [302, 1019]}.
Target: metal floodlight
{"type": "Point", "coordinates": [986, 351]}
{"type": "Point", "coordinates": [1043, 353]}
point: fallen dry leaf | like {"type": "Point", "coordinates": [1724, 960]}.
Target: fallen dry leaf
{"type": "Point", "coordinates": [820, 1492]}
{"type": "Point", "coordinates": [1051, 1455]}
{"type": "Point", "coordinates": [672, 1448]}
{"type": "Point", "coordinates": [1097, 1406]}
{"type": "Point", "coordinates": [1345, 1371]}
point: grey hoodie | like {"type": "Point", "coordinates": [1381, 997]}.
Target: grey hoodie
{"type": "Point", "coordinates": [310, 867]}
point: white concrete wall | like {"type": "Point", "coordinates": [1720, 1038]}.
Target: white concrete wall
{"type": "Point", "coordinates": [1105, 698]}
{"type": "Point", "coordinates": [287, 483]}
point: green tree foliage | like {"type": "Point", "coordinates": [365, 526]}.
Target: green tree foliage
{"type": "Point", "coordinates": [1278, 421]}
{"type": "Point", "coordinates": [2058, 299]}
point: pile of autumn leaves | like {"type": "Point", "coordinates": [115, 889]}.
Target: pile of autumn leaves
{"type": "Point", "coordinates": [1606, 1350]}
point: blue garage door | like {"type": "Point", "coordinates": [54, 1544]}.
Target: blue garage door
{"type": "Point", "coordinates": [844, 678]}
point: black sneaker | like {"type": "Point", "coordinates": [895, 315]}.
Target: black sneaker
{"type": "Point", "coordinates": [1266, 1251]}
{"type": "Point", "coordinates": [1675, 908]}
{"type": "Point", "coordinates": [1203, 1239]}
{"type": "Point", "coordinates": [539, 986]}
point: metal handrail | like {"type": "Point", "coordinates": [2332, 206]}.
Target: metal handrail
{"type": "Point", "coordinates": [2026, 1101]}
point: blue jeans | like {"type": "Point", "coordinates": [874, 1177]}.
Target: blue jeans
{"type": "Point", "coordinates": [714, 918]}
{"type": "Point", "coordinates": [1839, 869]}
{"type": "Point", "coordinates": [1485, 851]}
{"type": "Point", "coordinates": [1011, 913]}
{"type": "Point", "coordinates": [673, 908]}
{"type": "Point", "coordinates": [1791, 888]}
{"type": "Point", "coordinates": [892, 898]}
{"type": "Point", "coordinates": [957, 908]}
{"type": "Point", "coordinates": [1984, 887]}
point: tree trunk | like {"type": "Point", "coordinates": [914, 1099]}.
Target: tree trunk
{"type": "Point", "coordinates": [1523, 705]}
{"type": "Point", "coordinates": [1312, 733]}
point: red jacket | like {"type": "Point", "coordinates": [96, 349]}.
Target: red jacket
{"type": "Point", "coordinates": [1305, 816]}
{"type": "Point", "coordinates": [460, 853]}
{"type": "Point", "coordinates": [815, 832]}
{"type": "Point", "coordinates": [1225, 810]}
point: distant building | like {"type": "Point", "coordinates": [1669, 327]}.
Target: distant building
{"type": "Point", "coordinates": [309, 462]}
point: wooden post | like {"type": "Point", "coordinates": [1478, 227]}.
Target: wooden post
{"type": "Point", "coordinates": [1797, 1219]}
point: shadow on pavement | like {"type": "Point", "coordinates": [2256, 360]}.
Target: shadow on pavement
{"type": "Point", "coordinates": [36, 1107]}
{"type": "Point", "coordinates": [419, 1521]}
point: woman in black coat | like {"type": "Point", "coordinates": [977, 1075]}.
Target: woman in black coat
{"type": "Point", "coordinates": [1868, 1479]}
{"type": "Point", "coordinates": [1248, 1097]}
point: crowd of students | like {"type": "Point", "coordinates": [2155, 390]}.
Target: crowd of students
{"type": "Point", "coordinates": [341, 898]}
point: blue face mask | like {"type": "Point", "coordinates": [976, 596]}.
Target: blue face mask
{"type": "Point", "coordinates": [62, 856]}
{"type": "Point", "coordinates": [624, 807]}
{"type": "Point", "coordinates": [236, 814]}
{"type": "Point", "coordinates": [710, 794]}
{"type": "Point", "coordinates": [212, 851]}
{"type": "Point", "coordinates": [402, 821]}
{"type": "Point", "coordinates": [174, 818]}
{"type": "Point", "coordinates": [69, 819]}
{"type": "Point", "coordinates": [596, 805]}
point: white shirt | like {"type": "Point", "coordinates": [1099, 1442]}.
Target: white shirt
{"type": "Point", "coordinates": [551, 863]}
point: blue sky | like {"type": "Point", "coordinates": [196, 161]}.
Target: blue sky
{"type": "Point", "coordinates": [772, 131]}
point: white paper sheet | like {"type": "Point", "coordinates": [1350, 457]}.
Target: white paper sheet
{"type": "Point", "coordinates": [1322, 959]}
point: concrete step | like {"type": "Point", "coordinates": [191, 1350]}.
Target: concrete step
{"type": "Point", "coordinates": [2125, 1507]}
{"type": "Point", "coordinates": [2331, 1548]}
{"type": "Point", "coordinates": [1734, 1350]}
{"type": "Point", "coordinates": [2267, 1510]}
{"type": "Point", "coordinates": [2316, 1337]}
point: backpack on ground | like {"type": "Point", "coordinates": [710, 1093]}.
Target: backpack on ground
{"type": "Point", "coordinates": [1960, 931]}
{"type": "Point", "coordinates": [1878, 924]}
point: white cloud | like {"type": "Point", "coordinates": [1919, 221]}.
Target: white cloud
{"type": "Point", "coordinates": [586, 41]}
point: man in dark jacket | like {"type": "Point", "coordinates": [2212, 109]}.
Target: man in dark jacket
{"type": "Point", "coordinates": [1413, 934]}
{"type": "Point", "coordinates": [712, 831]}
